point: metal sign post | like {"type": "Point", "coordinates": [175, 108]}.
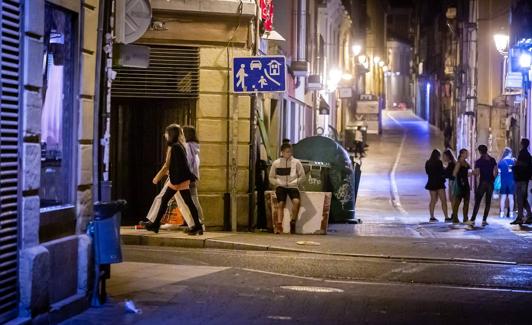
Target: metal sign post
{"type": "Point", "coordinates": [254, 76]}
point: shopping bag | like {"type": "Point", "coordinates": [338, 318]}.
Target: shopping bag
{"type": "Point", "coordinates": [497, 184]}
{"type": "Point", "coordinates": [173, 216]}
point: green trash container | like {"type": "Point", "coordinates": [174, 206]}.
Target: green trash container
{"type": "Point", "coordinates": [316, 176]}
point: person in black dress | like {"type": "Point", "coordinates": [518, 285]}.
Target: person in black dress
{"type": "Point", "coordinates": [436, 183]}
{"type": "Point", "coordinates": [462, 188]}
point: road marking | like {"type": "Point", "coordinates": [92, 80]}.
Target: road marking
{"type": "Point", "coordinates": [395, 284]}
{"type": "Point", "coordinates": [396, 201]}
{"type": "Point", "coordinates": [313, 289]}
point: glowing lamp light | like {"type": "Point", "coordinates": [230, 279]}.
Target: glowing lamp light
{"type": "Point", "coordinates": [385, 68]}
{"type": "Point", "coordinates": [362, 59]}
{"type": "Point", "coordinates": [501, 43]}
{"type": "Point", "coordinates": [376, 59]}
{"type": "Point", "coordinates": [335, 75]}
{"type": "Point", "coordinates": [357, 49]}
{"type": "Point", "coordinates": [381, 64]}
{"type": "Point", "coordinates": [525, 60]}
{"type": "Point", "coordinates": [347, 76]}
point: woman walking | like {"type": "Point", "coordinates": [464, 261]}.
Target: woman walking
{"type": "Point", "coordinates": [193, 162]}
{"type": "Point", "coordinates": [506, 165]}
{"type": "Point", "coordinates": [180, 177]}
{"type": "Point", "coordinates": [461, 190]}
{"type": "Point", "coordinates": [450, 160]}
{"type": "Point", "coordinates": [436, 183]}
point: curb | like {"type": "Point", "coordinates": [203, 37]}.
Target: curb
{"type": "Point", "coordinates": [195, 242]}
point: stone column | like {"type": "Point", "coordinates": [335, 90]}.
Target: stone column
{"type": "Point", "coordinates": [33, 258]}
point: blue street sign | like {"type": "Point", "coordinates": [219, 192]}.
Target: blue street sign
{"type": "Point", "coordinates": [259, 74]}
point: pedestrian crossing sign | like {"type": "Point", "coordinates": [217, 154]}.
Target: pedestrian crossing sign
{"type": "Point", "coordinates": [259, 74]}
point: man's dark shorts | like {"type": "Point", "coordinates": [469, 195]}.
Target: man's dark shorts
{"type": "Point", "coordinates": [282, 192]}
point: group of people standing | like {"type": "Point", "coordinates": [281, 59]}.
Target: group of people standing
{"type": "Point", "coordinates": [510, 176]}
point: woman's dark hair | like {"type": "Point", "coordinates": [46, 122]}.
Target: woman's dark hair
{"type": "Point", "coordinates": [462, 151]}
{"type": "Point", "coordinates": [174, 131]}
{"type": "Point", "coordinates": [435, 155]}
{"type": "Point", "coordinates": [450, 155]}
{"type": "Point", "coordinates": [190, 133]}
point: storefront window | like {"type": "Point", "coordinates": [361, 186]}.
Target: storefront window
{"type": "Point", "coordinates": [57, 121]}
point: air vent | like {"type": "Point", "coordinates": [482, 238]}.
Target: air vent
{"type": "Point", "coordinates": [173, 72]}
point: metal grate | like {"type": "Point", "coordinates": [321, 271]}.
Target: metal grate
{"type": "Point", "coordinates": [9, 120]}
{"type": "Point", "coordinates": [173, 72]}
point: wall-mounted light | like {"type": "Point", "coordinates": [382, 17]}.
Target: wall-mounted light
{"type": "Point", "coordinates": [525, 60]}
{"type": "Point", "coordinates": [501, 43]}
{"type": "Point", "coordinates": [357, 49]}
{"type": "Point", "coordinates": [376, 59]}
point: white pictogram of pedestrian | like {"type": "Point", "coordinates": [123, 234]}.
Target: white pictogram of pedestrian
{"type": "Point", "coordinates": [262, 82]}
{"type": "Point", "coordinates": [241, 76]}
{"type": "Point", "coordinates": [270, 77]}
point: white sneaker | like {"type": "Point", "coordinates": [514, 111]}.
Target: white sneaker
{"type": "Point", "coordinates": [502, 215]}
{"type": "Point", "coordinates": [511, 216]}
{"type": "Point", "coordinates": [469, 223]}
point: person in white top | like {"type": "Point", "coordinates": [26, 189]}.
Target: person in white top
{"type": "Point", "coordinates": [286, 174]}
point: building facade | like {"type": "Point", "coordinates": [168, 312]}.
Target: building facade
{"type": "Point", "coordinates": [50, 46]}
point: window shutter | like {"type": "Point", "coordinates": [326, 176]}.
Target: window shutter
{"type": "Point", "coordinates": [9, 121]}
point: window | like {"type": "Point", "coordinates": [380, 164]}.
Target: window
{"type": "Point", "coordinates": [57, 119]}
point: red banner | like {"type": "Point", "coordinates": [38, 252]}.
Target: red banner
{"type": "Point", "coordinates": [266, 7]}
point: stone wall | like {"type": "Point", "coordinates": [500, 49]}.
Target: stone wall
{"type": "Point", "coordinates": [212, 125]}
{"type": "Point", "coordinates": [70, 256]}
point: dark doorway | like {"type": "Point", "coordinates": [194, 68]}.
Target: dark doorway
{"type": "Point", "coordinates": [138, 147]}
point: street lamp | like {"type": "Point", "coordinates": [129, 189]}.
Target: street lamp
{"type": "Point", "coordinates": [501, 43]}
{"type": "Point", "coordinates": [357, 49]}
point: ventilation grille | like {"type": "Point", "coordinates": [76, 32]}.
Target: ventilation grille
{"type": "Point", "coordinates": [9, 120]}
{"type": "Point", "coordinates": [173, 72]}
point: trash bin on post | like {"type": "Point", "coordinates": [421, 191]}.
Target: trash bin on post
{"type": "Point", "coordinates": [105, 231]}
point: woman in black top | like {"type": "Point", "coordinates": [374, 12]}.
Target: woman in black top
{"type": "Point", "coordinates": [436, 183]}
{"type": "Point", "coordinates": [461, 188]}
{"type": "Point", "coordinates": [448, 157]}
{"type": "Point", "coordinates": [180, 177]}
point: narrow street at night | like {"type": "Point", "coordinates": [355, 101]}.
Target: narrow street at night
{"type": "Point", "coordinates": [418, 272]}
{"type": "Point", "coordinates": [265, 162]}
